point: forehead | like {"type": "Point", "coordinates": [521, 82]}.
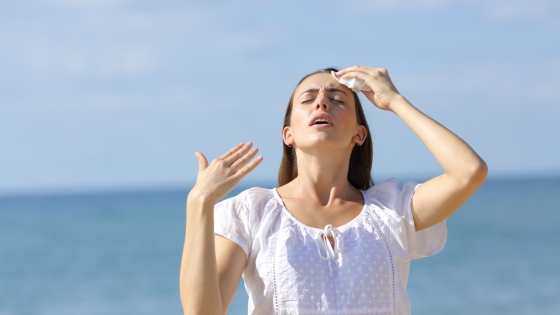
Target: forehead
{"type": "Point", "coordinates": [321, 81]}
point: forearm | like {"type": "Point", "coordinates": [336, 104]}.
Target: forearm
{"type": "Point", "coordinates": [458, 160]}
{"type": "Point", "coordinates": [199, 285]}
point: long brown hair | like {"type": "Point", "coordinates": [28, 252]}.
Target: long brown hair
{"type": "Point", "coordinates": [359, 172]}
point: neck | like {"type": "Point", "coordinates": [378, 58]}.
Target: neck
{"type": "Point", "coordinates": [323, 176]}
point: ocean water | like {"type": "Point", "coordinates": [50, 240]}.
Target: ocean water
{"type": "Point", "coordinates": [119, 253]}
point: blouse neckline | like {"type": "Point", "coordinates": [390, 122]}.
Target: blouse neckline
{"type": "Point", "coordinates": [318, 230]}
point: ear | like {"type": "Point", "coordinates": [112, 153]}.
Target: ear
{"type": "Point", "coordinates": [360, 135]}
{"type": "Point", "coordinates": [287, 136]}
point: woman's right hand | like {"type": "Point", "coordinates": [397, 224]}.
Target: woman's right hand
{"type": "Point", "coordinates": [216, 180]}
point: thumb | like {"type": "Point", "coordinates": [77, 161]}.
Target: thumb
{"type": "Point", "coordinates": [202, 161]}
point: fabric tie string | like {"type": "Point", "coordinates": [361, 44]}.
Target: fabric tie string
{"type": "Point", "coordinates": [323, 245]}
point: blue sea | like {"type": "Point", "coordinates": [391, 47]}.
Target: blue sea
{"type": "Point", "coordinates": [119, 253]}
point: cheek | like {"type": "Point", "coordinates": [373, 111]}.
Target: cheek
{"type": "Point", "coordinates": [298, 118]}
{"type": "Point", "coordinates": [347, 116]}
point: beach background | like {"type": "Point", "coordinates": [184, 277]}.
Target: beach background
{"type": "Point", "coordinates": [103, 104]}
{"type": "Point", "coordinates": [119, 253]}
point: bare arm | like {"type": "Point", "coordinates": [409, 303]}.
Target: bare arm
{"type": "Point", "coordinates": [464, 170]}
{"type": "Point", "coordinates": [211, 266]}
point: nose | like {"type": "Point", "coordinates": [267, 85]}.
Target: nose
{"type": "Point", "coordinates": [322, 102]}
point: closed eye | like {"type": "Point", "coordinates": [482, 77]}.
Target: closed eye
{"type": "Point", "coordinates": [332, 100]}
{"type": "Point", "coordinates": [338, 101]}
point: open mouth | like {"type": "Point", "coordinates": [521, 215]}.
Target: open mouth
{"type": "Point", "coordinates": [320, 122]}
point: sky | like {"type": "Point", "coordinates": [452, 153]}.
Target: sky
{"type": "Point", "coordinates": [119, 94]}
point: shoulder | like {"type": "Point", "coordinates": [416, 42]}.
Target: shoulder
{"type": "Point", "coordinates": [253, 198]}
{"type": "Point", "coordinates": [391, 204]}
{"type": "Point", "coordinates": [252, 195]}
{"type": "Point", "coordinates": [246, 212]}
{"type": "Point", "coordinates": [391, 193]}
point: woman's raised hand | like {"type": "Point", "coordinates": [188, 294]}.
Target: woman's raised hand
{"type": "Point", "coordinates": [216, 180]}
{"type": "Point", "coordinates": [382, 93]}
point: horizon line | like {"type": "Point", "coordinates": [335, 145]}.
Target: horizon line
{"type": "Point", "coordinates": [176, 187]}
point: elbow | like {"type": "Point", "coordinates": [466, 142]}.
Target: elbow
{"type": "Point", "coordinates": [188, 310]}
{"type": "Point", "coordinates": [476, 174]}
{"type": "Point", "coordinates": [200, 308]}
{"type": "Point", "coordinates": [470, 175]}
{"type": "Point", "coordinates": [193, 306]}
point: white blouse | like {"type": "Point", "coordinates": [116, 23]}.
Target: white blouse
{"type": "Point", "coordinates": [293, 269]}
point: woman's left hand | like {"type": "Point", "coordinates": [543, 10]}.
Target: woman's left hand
{"type": "Point", "coordinates": [382, 93]}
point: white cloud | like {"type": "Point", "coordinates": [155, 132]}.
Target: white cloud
{"type": "Point", "coordinates": [393, 5]}
{"type": "Point", "coordinates": [544, 12]}
{"type": "Point", "coordinates": [489, 86]}
{"type": "Point", "coordinates": [95, 77]}
{"type": "Point", "coordinates": [80, 42]}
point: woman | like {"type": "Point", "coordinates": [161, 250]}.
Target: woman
{"type": "Point", "coordinates": [327, 241]}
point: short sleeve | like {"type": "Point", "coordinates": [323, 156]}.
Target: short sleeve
{"type": "Point", "coordinates": [398, 198]}
{"type": "Point", "coordinates": [231, 221]}
{"type": "Point", "coordinates": [426, 242]}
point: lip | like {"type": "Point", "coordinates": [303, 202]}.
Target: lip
{"type": "Point", "coordinates": [324, 116]}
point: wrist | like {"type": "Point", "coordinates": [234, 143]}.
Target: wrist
{"type": "Point", "coordinates": [201, 199]}
{"type": "Point", "coordinates": [397, 103]}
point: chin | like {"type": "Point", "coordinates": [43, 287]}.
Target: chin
{"type": "Point", "coordinates": [323, 144]}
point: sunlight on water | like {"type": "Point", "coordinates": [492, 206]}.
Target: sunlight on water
{"type": "Point", "coordinates": [120, 253]}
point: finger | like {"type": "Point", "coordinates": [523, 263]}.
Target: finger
{"type": "Point", "coordinates": [202, 161]}
{"type": "Point", "coordinates": [231, 151]}
{"type": "Point", "coordinates": [248, 168]}
{"type": "Point", "coordinates": [369, 77]}
{"type": "Point", "coordinates": [356, 68]}
{"type": "Point", "coordinates": [379, 75]}
{"type": "Point", "coordinates": [239, 153]}
{"type": "Point", "coordinates": [357, 75]}
{"type": "Point", "coordinates": [244, 159]}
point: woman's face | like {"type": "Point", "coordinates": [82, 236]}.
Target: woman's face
{"type": "Point", "coordinates": [323, 116]}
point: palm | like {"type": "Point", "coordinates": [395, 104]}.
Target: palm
{"type": "Point", "coordinates": [218, 178]}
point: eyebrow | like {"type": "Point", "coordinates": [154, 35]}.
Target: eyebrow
{"type": "Point", "coordinates": [329, 89]}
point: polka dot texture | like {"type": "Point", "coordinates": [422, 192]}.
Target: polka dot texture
{"type": "Point", "coordinates": [361, 281]}
{"type": "Point", "coordinates": [286, 275]}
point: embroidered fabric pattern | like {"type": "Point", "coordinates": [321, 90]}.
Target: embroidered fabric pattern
{"type": "Point", "coordinates": [293, 268]}
{"type": "Point", "coordinates": [274, 278]}
{"type": "Point", "coordinates": [377, 225]}
{"type": "Point", "coordinates": [352, 278]}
